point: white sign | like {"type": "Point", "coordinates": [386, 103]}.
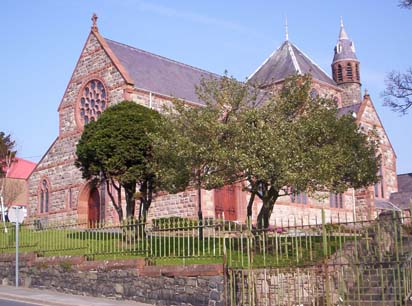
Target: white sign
{"type": "Point", "coordinates": [17, 214]}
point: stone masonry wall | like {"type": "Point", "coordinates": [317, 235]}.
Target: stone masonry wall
{"type": "Point", "coordinates": [195, 285]}
{"type": "Point", "coordinates": [369, 122]}
{"type": "Point", "coordinates": [280, 287]}
{"type": "Point", "coordinates": [351, 93]}
{"type": "Point", "coordinates": [66, 184]}
{"type": "Point", "coordinates": [57, 165]}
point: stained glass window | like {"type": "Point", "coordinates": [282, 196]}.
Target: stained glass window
{"type": "Point", "coordinates": [92, 102]}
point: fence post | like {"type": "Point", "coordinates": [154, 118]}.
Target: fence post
{"type": "Point", "coordinates": [325, 258]}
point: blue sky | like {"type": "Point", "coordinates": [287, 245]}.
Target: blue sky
{"type": "Point", "coordinates": [41, 42]}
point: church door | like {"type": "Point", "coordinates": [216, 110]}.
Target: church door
{"type": "Point", "coordinates": [94, 207]}
{"type": "Point", "coordinates": [225, 203]}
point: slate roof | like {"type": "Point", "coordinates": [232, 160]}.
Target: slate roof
{"type": "Point", "coordinates": [159, 74]}
{"type": "Point", "coordinates": [354, 108]}
{"type": "Point", "coordinates": [405, 182]}
{"type": "Point", "coordinates": [284, 62]}
{"type": "Point", "coordinates": [346, 53]}
{"type": "Point", "coordinates": [346, 47]}
{"type": "Point", "coordinates": [403, 198]}
{"type": "Point", "coordinates": [385, 205]}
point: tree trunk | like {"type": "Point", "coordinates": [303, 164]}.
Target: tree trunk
{"type": "Point", "coordinates": [199, 211]}
{"type": "Point", "coordinates": [266, 212]}
{"type": "Point", "coordinates": [250, 204]}
{"type": "Point", "coordinates": [117, 207]}
{"type": "Point", "coordinates": [119, 211]}
{"type": "Point", "coordinates": [130, 190]}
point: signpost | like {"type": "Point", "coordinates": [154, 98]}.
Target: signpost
{"type": "Point", "coordinates": [16, 215]}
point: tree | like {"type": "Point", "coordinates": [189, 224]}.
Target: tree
{"type": "Point", "coordinates": [118, 149]}
{"type": "Point", "coordinates": [407, 4]}
{"type": "Point", "coordinates": [277, 145]}
{"type": "Point", "coordinates": [398, 92]}
{"type": "Point", "coordinates": [7, 152]}
{"type": "Point", "coordinates": [295, 143]}
{"type": "Point", "coordinates": [191, 149]}
{"type": "Point", "coordinates": [7, 155]}
{"type": "Point", "coordinates": [12, 189]}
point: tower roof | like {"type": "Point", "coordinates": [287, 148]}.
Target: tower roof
{"type": "Point", "coordinates": [345, 48]}
{"type": "Point", "coordinates": [284, 62]}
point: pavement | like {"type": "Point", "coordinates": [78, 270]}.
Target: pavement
{"type": "Point", "coordinates": [53, 298]}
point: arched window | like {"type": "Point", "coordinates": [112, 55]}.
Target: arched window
{"type": "Point", "coordinates": [349, 72]}
{"type": "Point", "coordinates": [93, 101]}
{"type": "Point", "coordinates": [379, 188]}
{"type": "Point", "coordinates": [340, 77]}
{"type": "Point", "coordinates": [44, 196]}
{"type": "Point", "coordinates": [357, 72]}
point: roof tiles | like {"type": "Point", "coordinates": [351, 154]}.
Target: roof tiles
{"type": "Point", "coordinates": [284, 62]}
{"type": "Point", "coordinates": [159, 74]}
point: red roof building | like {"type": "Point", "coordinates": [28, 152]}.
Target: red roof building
{"type": "Point", "coordinates": [21, 169]}
{"type": "Point", "coordinates": [14, 187]}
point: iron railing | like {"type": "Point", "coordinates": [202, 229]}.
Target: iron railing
{"type": "Point", "coordinates": [293, 263]}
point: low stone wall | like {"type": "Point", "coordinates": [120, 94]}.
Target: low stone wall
{"type": "Point", "coordinates": [120, 279]}
{"type": "Point", "coordinates": [281, 287]}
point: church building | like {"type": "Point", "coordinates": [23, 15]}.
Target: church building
{"type": "Point", "coordinates": [109, 72]}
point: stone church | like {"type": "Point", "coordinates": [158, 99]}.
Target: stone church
{"type": "Point", "coordinates": [108, 72]}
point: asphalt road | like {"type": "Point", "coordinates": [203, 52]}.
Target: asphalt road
{"type": "Point", "coordinates": [13, 303]}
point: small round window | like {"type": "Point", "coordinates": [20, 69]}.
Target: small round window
{"type": "Point", "coordinates": [93, 101]}
{"type": "Point", "coordinates": [314, 93]}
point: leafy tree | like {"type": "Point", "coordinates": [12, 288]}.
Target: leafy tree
{"type": "Point", "coordinates": [7, 152]}
{"type": "Point", "coordinates": [277, 145]}
{"type": "Point", "coordinates": [118, 148]}
{"type": "Point", "coordinates": [192, 148]}
{"type": "Point", "coordinates": [295, 143]}
{"type": "Point", "coordinates": [398, 92]}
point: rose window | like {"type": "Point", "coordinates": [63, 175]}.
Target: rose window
{"type": "Point", "coordinates": [93, 101]}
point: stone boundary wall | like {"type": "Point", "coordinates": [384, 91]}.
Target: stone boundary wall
{"type": "Point", "coordinates": [119, 279]}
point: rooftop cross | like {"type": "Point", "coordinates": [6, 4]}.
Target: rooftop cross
{"type": "Point", "coordinates": [94, 20]}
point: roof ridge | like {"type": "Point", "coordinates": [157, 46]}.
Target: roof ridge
{"type": "Point", "coordinates": [265, 61]}
{"type": "Point", "coordinates": [163, 57]}
{"type": "Point", "coordinates": [293, 56]}
{"type": "Point", "coordinates": [315, 64]}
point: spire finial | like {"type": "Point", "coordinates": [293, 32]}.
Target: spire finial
{"type": "Point", "coordinates": [342, 33]}
{"type": "Point", "coordinates": [286, 28]}
{"type": "Point", "coordinates": [94, 20]}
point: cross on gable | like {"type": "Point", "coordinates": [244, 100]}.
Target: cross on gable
{"type": "Point", "coordinates": [94, 20]}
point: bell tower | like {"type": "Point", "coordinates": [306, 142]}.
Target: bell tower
{"type": "Point", "coordinates": [345, 68]}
